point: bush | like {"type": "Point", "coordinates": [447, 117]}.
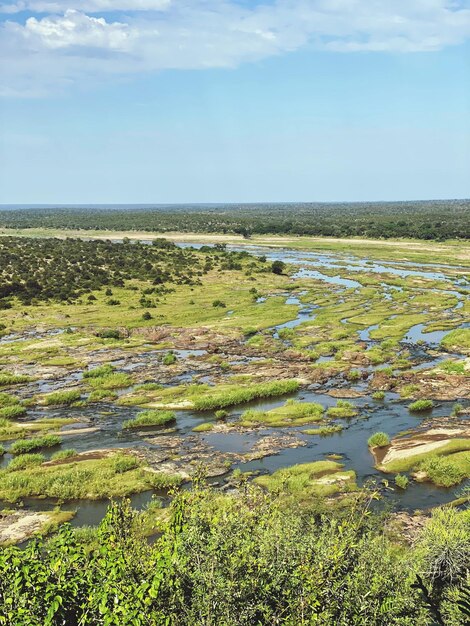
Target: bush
{"type": "Point", "coordinates": [219, 304]}
{"type": "Point", "coordinates": [27, 445]}
{"type": "Point", "coordinates": [221, 414]}
{"type": "Point", "coordinates": [442, 471]}
{"type": "Point", "coordinates": [258, 560]}
{"type": "Point", "coordinates": [401, 481]}
{"type": "Point", "coordinates": [150, 418]}
{"type": "Point", "coordinates": [378, 440]}
{"type": "Point", "coordinates": [147, 316]}
{"type": "Point", "coordinates": [169, 359]}
{"type": "Point", "coordinates": [278, 267]}
{"type": "Point", "coordinates": [378, 395]}
{"type": "Point", "coordinates": [109, 334]}
{"type": "Point", "coordinates": [421, 405]}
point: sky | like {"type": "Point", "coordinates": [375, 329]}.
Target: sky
{"type": "Point", "coordinates": [193, 101]}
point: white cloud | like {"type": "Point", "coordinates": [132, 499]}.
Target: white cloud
{"type": "Point", "coordinates": [89, 6]}
{"type": "Point", "coordinates": [73, 29]}
{"type": "Point", "coordinates": [65, 44]}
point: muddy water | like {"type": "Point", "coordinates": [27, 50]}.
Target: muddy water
{"type": "Point", "coordinates": [391, 415]}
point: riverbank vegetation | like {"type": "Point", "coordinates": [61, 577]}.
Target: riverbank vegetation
{"type": "Point", "coordinates": [244, 559]}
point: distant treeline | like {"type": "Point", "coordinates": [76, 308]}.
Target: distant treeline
{"type": "Point", "coordinates": [431, 220]}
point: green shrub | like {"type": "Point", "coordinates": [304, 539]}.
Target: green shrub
{"type": "Point", "coordinates": [169, 359]}
{"type": "Point", "coordinates": [442, 471]}
{"type": "Point", "coordinates": [124, 463]}
{"type": "Point", "coordinates": [421, 405]}
{"type": "Point", "coordinates": [354, 375]}
{"type": "Point", "coordinates": [150, 418]}
{"type": "Point", "coordinates": [62, 398]}
{"type": "Point", "coordinates": [457, 409]}
{"type": "Point", "coordinates": [378, 395]}
{"type": "Point", "coordinates": [11, 412]}
{"type": "Point", "coordinates": [2, 450]}
{"type": "Point", "coordinates": [401, 481]}
{"type": "Point", "coordinates": [109, 334]}
{"type": "Point", "coordinates": [27, 445]}
{"type": "Point", "coordinates": [221, 414]}
{"type": "Point", "coordinates": [25, 460]}
{"type": "Point", "coordinates": [378, 440]}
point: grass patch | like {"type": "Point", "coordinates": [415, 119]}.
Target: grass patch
{"type": "Point", "coordinates": [114, 380]}
{"type": "Point", "coordinates": [241, 395]}
{"type": "Point", "coordinates": [343, 410]}
{"type": "Point", "coordinates": [150, 418]}
{"type": "Point", "coordinates": [115, 476]}
{"type": "Point", "coordinates": [12, 412]}
{"type": "Point", "coordinates": [378, 440]}
{"type": "Point", "coordinates": [307, 480]}
{"type": "Point", "coordinates": [99, 372]}
{"type": "Point", "coordinates": [8, 400]}
{"type": "Point", "coordinates": [7, 379]}
{"type": "Point", "coordinates": [202, 428]}
{"type": "Point", "coordinates": [25, 460]}
{"type": "Point", "coordinates": [27, 445]}
{"type": "Point", "coordinates": [401, 481]}
{"type": "Point", "coordinates": [99, 395]}
{"type": "Point", "coordinates": [421, 405]}
{"type": "Point", "coordinates": [61, 398]}
{"type": "Point", "coordinates": [292, 413]}
{"type": "Point", "coordinates": [61, 455]}
{"type": "Point", "coordinates": [407, 463]}
{"type": "Point", "coordinates": [457, 339]}
{"type": "Point", "coordinates": [324, 431]}
{"type": "Point", "coordinates": [378, 395]}
{"type": "Point", "coordinates": [446, 471]}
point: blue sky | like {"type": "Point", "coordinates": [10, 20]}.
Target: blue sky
{"type": "Point", "coordinates": [163, 101]}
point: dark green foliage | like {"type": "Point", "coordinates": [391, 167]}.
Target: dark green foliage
{"type": "Point", "coordinates": [277, 267]}
{"type": "Point", "coordinates": [442, 219]}
{"type": "Point", "coordinates": [248, 560]}
{"type": "Point", "coordinates": [34, 270]}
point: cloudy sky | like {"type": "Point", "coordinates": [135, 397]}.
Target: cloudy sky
{"type": "Point", "coordinates": [233, 100]}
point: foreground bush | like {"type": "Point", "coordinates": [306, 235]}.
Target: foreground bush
{"type": "Point", "coordinates": [240, 560]}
